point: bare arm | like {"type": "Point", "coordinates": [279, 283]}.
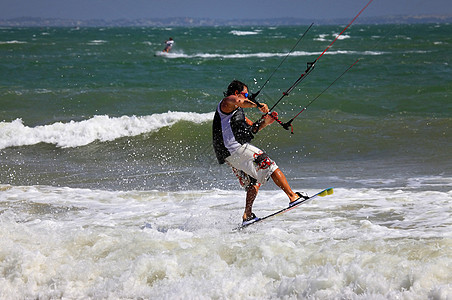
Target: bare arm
{"type": "Point", "coordinates": [230, 103]}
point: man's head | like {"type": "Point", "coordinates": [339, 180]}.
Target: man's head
{"type": "Point", "coordinates": [234, 86]}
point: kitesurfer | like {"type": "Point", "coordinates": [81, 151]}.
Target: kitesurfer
{"type": "Point", "coordinates": [232, 132]}
{"type": "Point", "coordinates": [168, 45]}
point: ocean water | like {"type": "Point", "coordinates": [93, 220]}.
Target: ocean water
{"type": "Point", "coordinates": [109, 187]}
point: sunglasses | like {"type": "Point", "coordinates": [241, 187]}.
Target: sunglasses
{"type": "Point", "coordinates": [244, 94]}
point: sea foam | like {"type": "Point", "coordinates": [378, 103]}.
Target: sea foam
{"type": "Point", "coordinates": [98, 128]}
{"type": "Point", "coordinates": [173, 55]}
{"type": "Point", "coordinates": [354, 244]}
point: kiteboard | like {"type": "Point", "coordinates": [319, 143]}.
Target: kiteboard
{"type": "Point", "coordinates": [322, 193]}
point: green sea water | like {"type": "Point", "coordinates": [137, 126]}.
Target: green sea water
{"type": "Point", "coordinates": [389, 115]}
{"type": "Point", "coordinates": [109, 187]}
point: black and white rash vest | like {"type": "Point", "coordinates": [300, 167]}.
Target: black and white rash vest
{"type": "Point", "coordinates": [230, 131]}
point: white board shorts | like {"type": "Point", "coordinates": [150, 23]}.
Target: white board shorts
{"type": "Point", "coordinates": [244, 160]}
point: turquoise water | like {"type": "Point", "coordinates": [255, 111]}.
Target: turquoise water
{"type": "Point", "coordinates": [101, 134]}
{"type": "Point", "coordinates": [392, 109]}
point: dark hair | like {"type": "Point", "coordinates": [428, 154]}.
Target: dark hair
{"type": "Point", "coordinates": [235, 85]}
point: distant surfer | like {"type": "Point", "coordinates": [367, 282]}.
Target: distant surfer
{"type": "Point", "coordinates": [232, 132]}
{"type": "Point", "coordinates": [168, 45]}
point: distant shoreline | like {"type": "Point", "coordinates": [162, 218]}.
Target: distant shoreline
{"type": "Point", "coordinates": [199, 22]}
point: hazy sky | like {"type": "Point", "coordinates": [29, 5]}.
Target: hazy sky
{"type": "Point", "coordinates": [216, 9]}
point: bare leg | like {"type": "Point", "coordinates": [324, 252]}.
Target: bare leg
{"type": "Point", "coordinates": [251, 194]}
{"type": "Point", "coordinates": [281, 181]}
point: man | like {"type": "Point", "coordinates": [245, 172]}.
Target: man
{"type": "Point", "coordinates": [168, 45]}
{"type": "Point", "coordinates": [232, 132]}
